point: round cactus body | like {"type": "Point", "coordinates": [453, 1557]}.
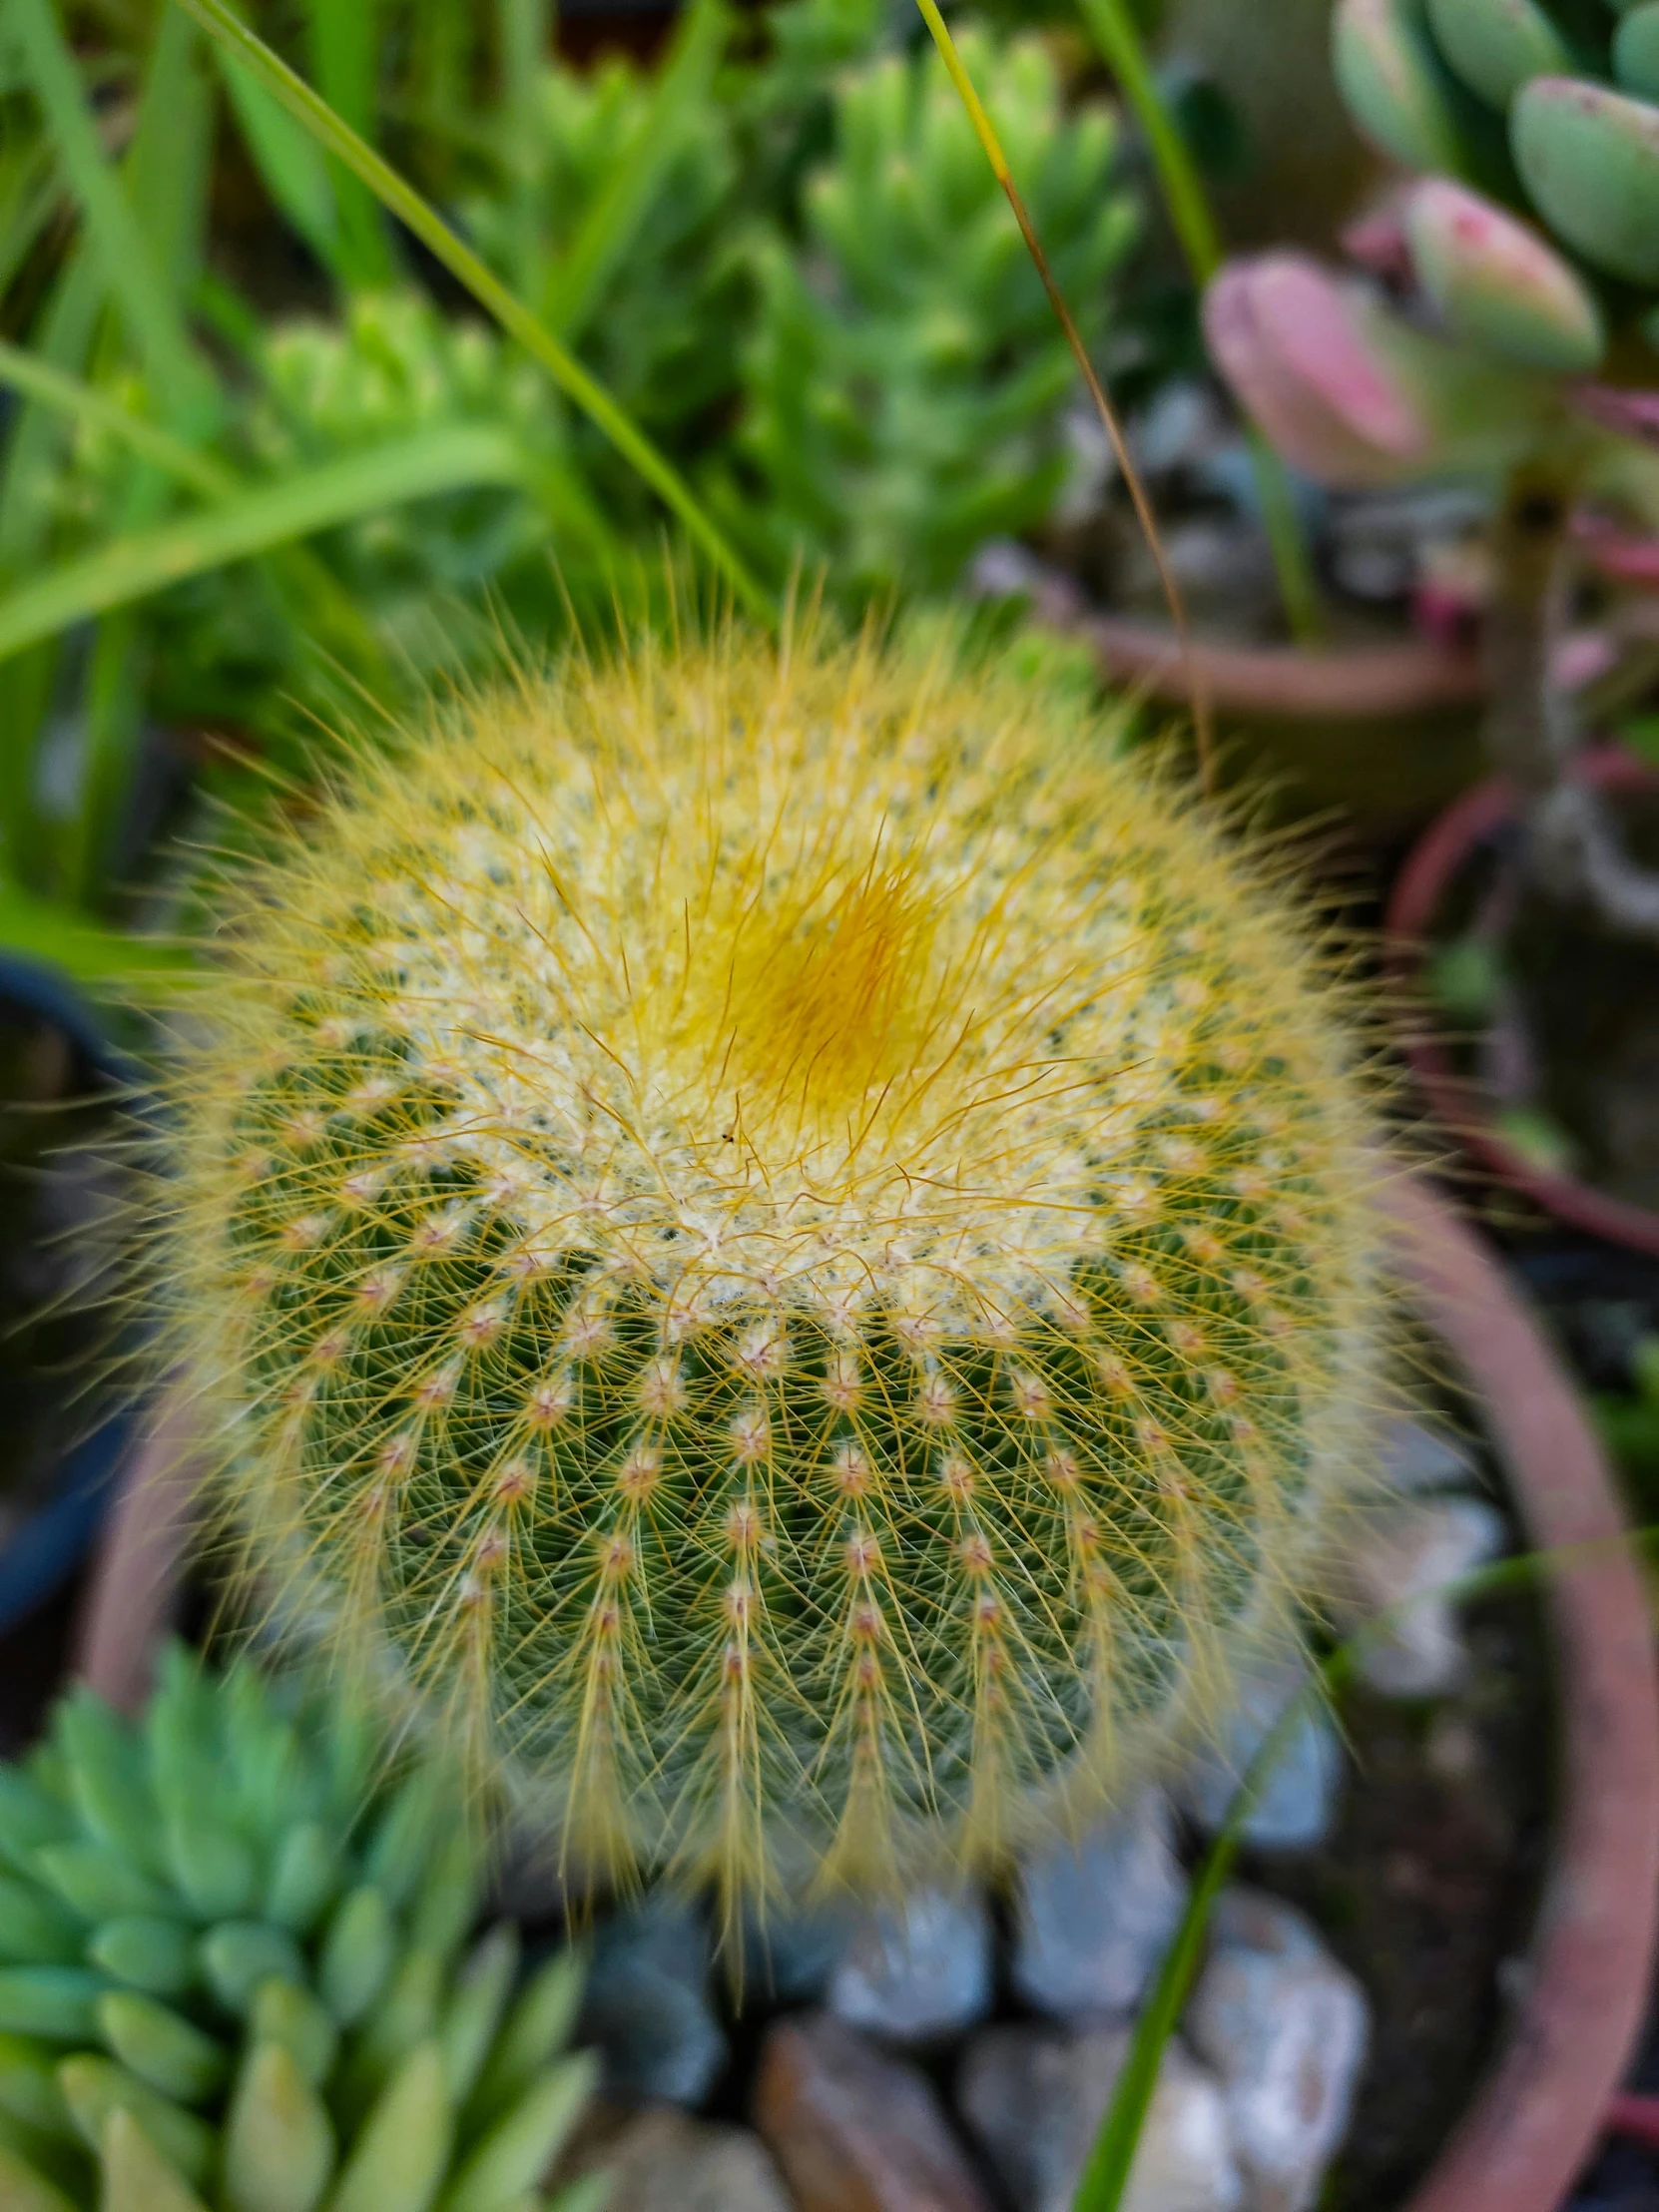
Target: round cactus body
{"type": "Point", "coordinates": [1549, 105]}
{"type": "Point", "coordinates": [785, 1242]}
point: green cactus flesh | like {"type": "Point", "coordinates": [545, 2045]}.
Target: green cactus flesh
{"type": "Point", "coordinates": [1573, 87]}
{"type": "Point", "coordinates": [783, 1244]}
{"type": "Point", "coordinates": [294, 2025]}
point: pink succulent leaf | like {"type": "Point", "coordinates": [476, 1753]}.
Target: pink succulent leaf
{"type": "Point", "coordinates": [1628, 415]}
{"type": "Point", "coordinates": [1622, 556]}
{"type": "Point", "coordinates": [1378, 241]}
{"type": "Point", "coordinates": [1284, 333]}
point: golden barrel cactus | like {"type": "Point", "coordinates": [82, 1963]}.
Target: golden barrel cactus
{"type": "Point", "coordinates": [783, 1241]}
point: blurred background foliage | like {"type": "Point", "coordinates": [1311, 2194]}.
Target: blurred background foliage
{"type": "Point", "coordinates": [264, 470]}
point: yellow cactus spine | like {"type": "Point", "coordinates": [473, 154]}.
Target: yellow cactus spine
{"type": "Point", "coordinates": [785, 1240]}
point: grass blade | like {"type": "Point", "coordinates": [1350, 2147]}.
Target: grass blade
{"type": "Point", "coordinates": [128, 266]}
{"type": "Point", "coordinates": [43, 930]}
{"type": "Point", "coordinates": [289, 165]}
{"type": "Point", "coordinates": [604, 240]}
{"type": "Point", "coordinates": [83, 404]}
{"type": "Point", "coordinates": [344, 47]}
{"type": "Point", "coordinates": [257, 521]}
{"type": "Point", "coordinates": [168, 165]}
{"type": "Point", "coordinates": [1188, 205]}
{"type": "Point", "coordinates": [514, 317]}
{"type": "Point", "coordinates": [524, 33]}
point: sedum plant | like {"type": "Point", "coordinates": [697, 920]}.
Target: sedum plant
{"type": "Point", "coordinates": [906, 385]}
{"type": "Point", "coordinates": [234, 1975]}
{"type": "Point", "coordinates": [781, 1242]}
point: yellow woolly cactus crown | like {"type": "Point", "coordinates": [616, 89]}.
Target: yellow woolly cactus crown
{"type": "Point", "coordinates": [782, 1241]}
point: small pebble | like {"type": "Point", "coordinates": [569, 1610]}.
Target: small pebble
{"type": "Point", "coordinates": [1417, 1460]}
{"type": "Point", "coordinates": [854, 2129]}
{"type": "Point", "coordinates": [789, 1957]}
{"type": "Point", "coordinates": [918, 1971]}
{"type": "Point", "coordinates": [1036, 2096]}
{"type": "Point", "coordinates": [1297, 1807]}
{"type": "Point", "coordinates": [1094, 1917]}
{"type": "Point", "coordinates": [647, 2007]}
{"type": "Point", "coordinates": [660, 2160]}
{"type": "Point", "coordinates": [1411, 1550]}
{"type": "Point", "coordinates": [1284, 2027]}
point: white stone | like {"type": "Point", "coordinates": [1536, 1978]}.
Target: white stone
{"type": "Point", "coordinates": [663, 2161]}
{"type": "Point", "coordinates": [1095, 1917]}
{"type": "Point", "coordinates": [1417, 1460]}
{"type": "Point", "coordinates": [1297, 1807]}
{"type": "Point", "coordinates": [1284, 2027]}
{"type": "Point", "coordinates": [918, 1971]}
{"type": "Point", "coordinates": [1412, 1550]}
{"type": "Point", "coordinates": [1036, 2096]}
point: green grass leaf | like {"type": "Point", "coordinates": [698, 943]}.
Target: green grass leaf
{"type": "Point", "coordinates": [42, 929]}
{"type": "Point", "coordinates": [291, 168]}
{"type": "Point", "coordinates": [123, 251]}
{"type": "Point", "coordinates": [257, 521]}
{"type": "Point", "coordinates": [606, 236]}
{"type": "Point", "coordinates": [345, 46]}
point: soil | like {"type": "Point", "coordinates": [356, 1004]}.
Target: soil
{"type": "Point", "coordinates": [1428, 1891]}
{"type": "Point", "coordinates": [1573, 1038]}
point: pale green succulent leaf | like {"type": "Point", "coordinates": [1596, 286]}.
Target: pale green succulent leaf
{"type": "Point", "coordinates": [399, 2158]}
{"type": "Point", "coordinates": [279, 2150]}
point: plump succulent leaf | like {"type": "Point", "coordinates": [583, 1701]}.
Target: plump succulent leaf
{"type": "Point", "coordinates": [1573, 86]}
{"type": "Point", "coordinates": [201, 2059]}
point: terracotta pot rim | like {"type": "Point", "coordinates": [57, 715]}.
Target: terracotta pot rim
{"type": "Point", "coordinates": [1419, 889]}
{"type": "Point", "coordinates": [1372, 683]}
{"type": "Point", "coordinates": [1527, 2131]}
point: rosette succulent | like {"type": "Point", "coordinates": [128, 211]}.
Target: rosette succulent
{"type": "Point", "coordinates": [235, 1973]}
{"type": "Point", "coordinates": [782, 1242]}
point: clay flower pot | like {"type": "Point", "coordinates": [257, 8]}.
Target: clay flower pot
{"type": "Point", "coordinates": [1388, 734]}
{"type": "Point", "coordinates": [1415, 905]}
{"type": "Point", "coordinates": [1542, 2106]}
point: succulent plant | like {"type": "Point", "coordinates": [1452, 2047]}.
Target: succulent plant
{"type": "Point", "coordinates": [1548, 105]}
{"type": "Point", "coordinates": [392, 367]}
{"type": "Point", "coordinates": [657, 309]}
{"type": "Point", "coordinates": [233, 1973]}
{"type": "Point", "coordinates": [781, 1242]}
{"type": "Point", "coordinates": [907, 386]}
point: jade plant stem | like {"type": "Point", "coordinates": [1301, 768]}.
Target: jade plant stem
{"type": "Point", "coordinates": [1194, 224]}
{"type": "Point", "coordinates": [1532, 729]}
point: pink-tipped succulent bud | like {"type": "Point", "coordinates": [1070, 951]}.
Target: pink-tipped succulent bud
{"type": "Point", "coordinates": [1496, 283]}
{"type": "Point", "coordinates": [1289, 338]}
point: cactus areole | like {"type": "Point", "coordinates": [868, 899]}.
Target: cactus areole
{"type": "Point", "coordinates": [782, 1242]}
